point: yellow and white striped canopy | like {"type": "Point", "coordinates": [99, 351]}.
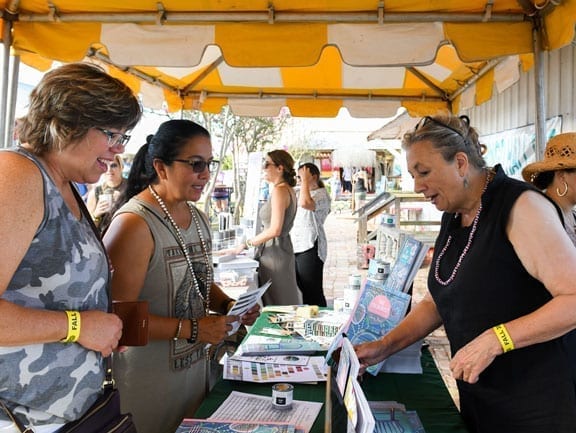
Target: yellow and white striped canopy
{"type": "Point", "coordinates": [312, 56]}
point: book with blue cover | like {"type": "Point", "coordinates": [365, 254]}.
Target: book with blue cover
{"type": "Point", "coordinates": [376, 313]}
{"type": "Point", "coordinates": [403, 271]}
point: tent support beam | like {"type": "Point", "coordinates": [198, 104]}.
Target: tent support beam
{"type": "Point", "coordinates": [487, 67]}
{"type": "Point", "coordinates": [426, 81]}
{"type": "Point", "coordinates": [132, 71]}
{"type": "Point", "coordinates": [540, 103]}
{"type": "Point", "coordinates": [311, 96]}
{"type": "Point", "coordinates": [264, 17]}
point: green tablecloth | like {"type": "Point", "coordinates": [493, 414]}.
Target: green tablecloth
{"type": "Point", "coordinates": [425, 393]}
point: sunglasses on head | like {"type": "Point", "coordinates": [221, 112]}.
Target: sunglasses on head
{"type": "Point", "coordinates": [199, 165]}
{"type": "Point", "coordinates": [427, 119]}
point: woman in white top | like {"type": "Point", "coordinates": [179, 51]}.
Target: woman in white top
{"type": "Point", "coordinates": [308, 235]}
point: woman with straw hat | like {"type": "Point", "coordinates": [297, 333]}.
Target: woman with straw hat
{"type": "Point", "coordinates": [555, 175]}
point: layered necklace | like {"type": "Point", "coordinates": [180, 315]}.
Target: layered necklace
{"type": "Point", "coordinates": [466, 248]}
{"type": "Point", "coordinates": [178, 234]}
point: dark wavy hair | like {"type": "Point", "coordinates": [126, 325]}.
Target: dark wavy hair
{"type": "Point", "coordinates": [282, 158]}
{"type": "Point", "coordinates": [166, 145]}
{"type": "Point", "coordinates": [449, 134]}
{"type": "Point", "coordinates": [70, 100]}
{"type": "Point", "coordinates": [315, 171]}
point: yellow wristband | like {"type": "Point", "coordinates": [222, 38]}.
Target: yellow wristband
{"type": "Point", "coordinates": [73, 327]}
{"type": "Point", "coordinates": [504, 338]}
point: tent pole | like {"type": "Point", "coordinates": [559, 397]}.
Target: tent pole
{"type": "Point", "coordinates": [540, 120]}
{"type": "Point", "coordinates": [7, 38]}
{"type": "Point", "coordinates": [12, 101]}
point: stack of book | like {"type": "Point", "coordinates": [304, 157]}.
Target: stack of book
{"type": "Point", "coordinates": [382, 304]}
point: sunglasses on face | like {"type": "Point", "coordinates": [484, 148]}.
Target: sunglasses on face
{"type": "Point", "coordinates": [113, 165]}
{"type": "Point", "coordinates": [115, 139]}
{"type": "Point", "coordinates": [268, 164]}
{"type": "Point", "coordinates": [199, 165]}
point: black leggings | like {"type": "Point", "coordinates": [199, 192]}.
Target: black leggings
{"type": "Point", "coordinates": [309, 276]}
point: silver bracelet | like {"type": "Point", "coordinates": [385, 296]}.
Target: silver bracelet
{"type": "Point", "coordinates": [178, 330]}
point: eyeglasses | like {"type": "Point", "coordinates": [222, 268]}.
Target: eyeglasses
{"type": "Point", "coordinates": [113, 165]}
{"type": "Point", "coordinates": [427, 119]}
{"type": "Point", "coordinates": [268, 164]}
{"type": "Point", "coordinates": [199, 165]}
{"type": "Point", "coordinates": [114, 138]}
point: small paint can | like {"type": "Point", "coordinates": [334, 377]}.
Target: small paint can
{"type": "Point", "coordinates": [282, 395]}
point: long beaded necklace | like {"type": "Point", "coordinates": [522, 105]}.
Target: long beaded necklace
{"type": "Point", "coordinates": [182, 243]}
{"type": "Point", "coordinates": [466, 248]}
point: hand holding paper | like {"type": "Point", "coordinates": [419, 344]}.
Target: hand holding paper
{"type": "Point", "coordinates": [245, 302]}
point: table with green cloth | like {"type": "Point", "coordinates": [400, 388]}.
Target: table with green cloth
{"type": "Point", "coordinates": [425, 393]}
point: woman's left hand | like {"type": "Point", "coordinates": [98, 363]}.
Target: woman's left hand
{"type": "Point", "coordinates": [251, 315]}
{"type": "Point", "coordinates": [475, 357]}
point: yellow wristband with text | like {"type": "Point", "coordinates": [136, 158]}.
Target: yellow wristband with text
{"type": "Point", "coordinates": [73, 327]}
{"type": "Point", "coordinates": [504, 338]}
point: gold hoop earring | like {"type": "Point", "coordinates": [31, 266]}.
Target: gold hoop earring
{"type": "Point", "coordinates": [565, 190]}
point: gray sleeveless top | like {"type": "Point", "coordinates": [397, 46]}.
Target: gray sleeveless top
{"type": "Point", "coordinates": [64, 268]}
{"type": "Point", "coordinates": [168, 286]}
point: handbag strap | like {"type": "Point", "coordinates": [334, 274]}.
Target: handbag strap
{"type": "Point", "coordinates": [15, 420]}
{"type": "Point", "coordinates": [108, 381]}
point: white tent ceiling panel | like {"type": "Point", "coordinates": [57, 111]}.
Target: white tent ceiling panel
{"type": "Point", "coordinates": [131, 44]}
{"type": "Point", "coordinates": [250, 77]}
{"type": "Point", "coordinates": [436, 71]}
{"type": "Point", "coordinates": [371, 78]}
{"type": "Point", "coordinates": [367, 109]}
{"type": "Point", "coordinates": [152, 96]}
{"type": "Point", "coordinates": [468, 97]}
{"type": "Point", "coordinates": [256, 107]}
{"type": "Point", "coordinates": [506, 73]}
{"type": "Point", "coordinates": [393, 44]}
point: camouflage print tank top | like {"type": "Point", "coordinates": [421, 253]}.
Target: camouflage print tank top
{"type": "Point", "coordinates": [64, 268]}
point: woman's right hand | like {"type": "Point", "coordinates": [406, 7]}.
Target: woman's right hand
{"type": "Point", "coordinates": [370, 353]}
{"type": "Point", "coordinates": [214, 328]}
{"type": "Point", "coordinates": [100, 331]}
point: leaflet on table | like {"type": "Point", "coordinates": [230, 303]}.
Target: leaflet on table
{"type": "Point", "coordinates": [391, 416]}
{"type": "Point", "coordinates": [190, 425]}
{"type": "Point", "coordinates": [240, 406]}
{"type": "Point", "coordinates": [270, 345]}
{"type": "Point", "coordinates": [273, 359]}
{"type": "Point", "coordinates": [314, 371]}
{"type": "Point", "coordinates": [376, 313]}
{"type": "Point", "coordinates": [246, 301]}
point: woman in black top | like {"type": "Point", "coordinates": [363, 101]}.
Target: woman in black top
{"type": "Point", "coordinates": [501, 283]}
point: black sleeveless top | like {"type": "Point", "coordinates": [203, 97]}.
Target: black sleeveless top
{"type": "Point", "coordinates": [525, 390]}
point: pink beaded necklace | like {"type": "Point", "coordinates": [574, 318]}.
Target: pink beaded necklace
{"type": "Point", "coordinates": [468, 244]}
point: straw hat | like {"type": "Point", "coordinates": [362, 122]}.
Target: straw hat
{"type": "Point", "coordinates": [560, 154]}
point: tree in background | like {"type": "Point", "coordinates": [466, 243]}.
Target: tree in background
{"type": "Point", "coordinates": [237, 137]}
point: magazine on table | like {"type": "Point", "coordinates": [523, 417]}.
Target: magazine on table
{"type": "Point", "coordinates": [190, 425]}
